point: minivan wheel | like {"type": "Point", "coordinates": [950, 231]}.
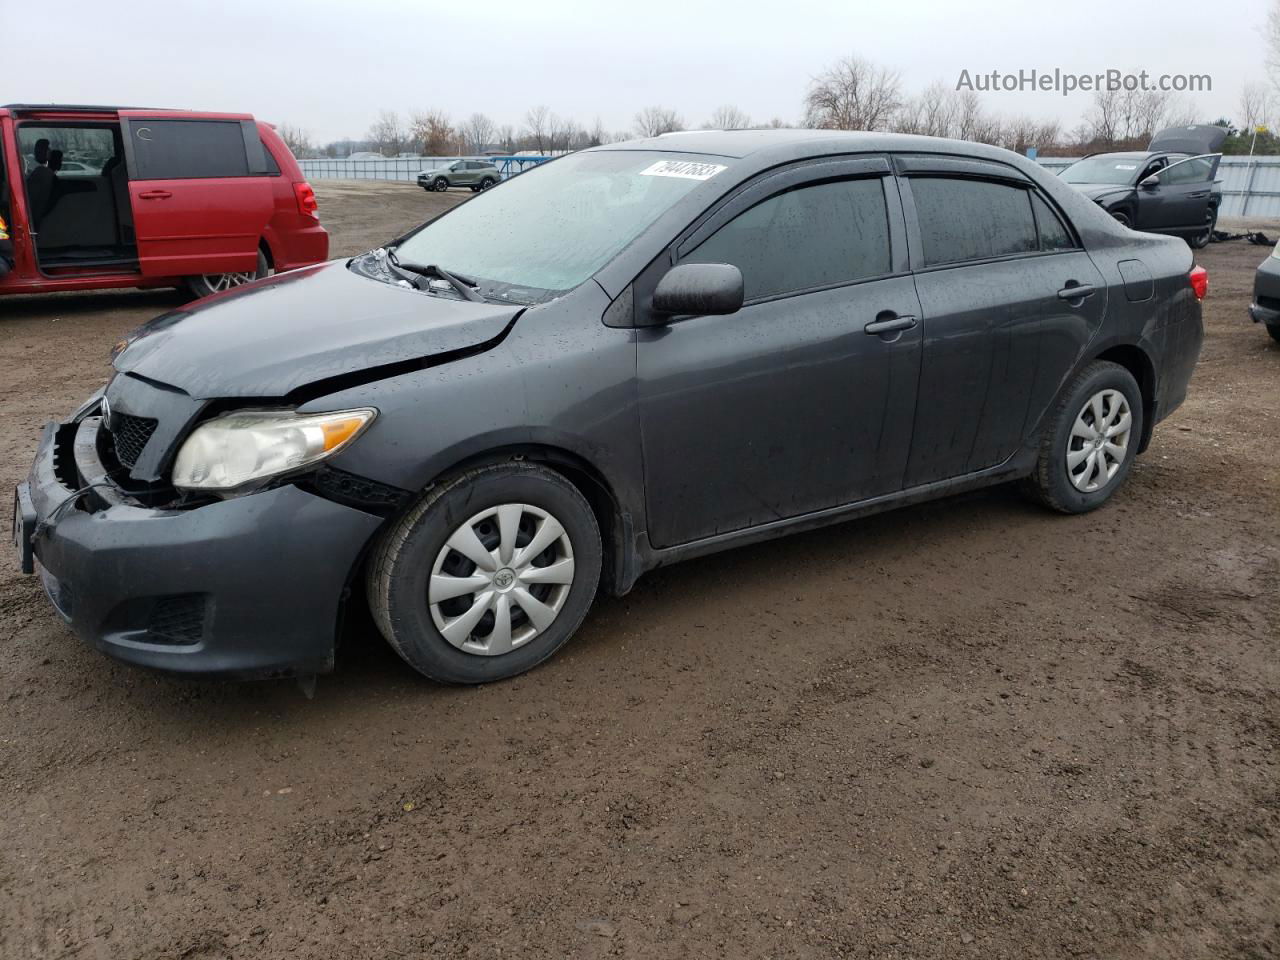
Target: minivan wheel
{"type": "Point", "coordinates": [207, 284]}
{"type": "Point", "coordinates": [441, 184]}
{"type": "Point", "coordinates": [488, 575]}
{"type": "Point", "coordinates": [1091, 440]}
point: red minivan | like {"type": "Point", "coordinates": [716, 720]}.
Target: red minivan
{"type": "Point", "coordinates": [96, 197]}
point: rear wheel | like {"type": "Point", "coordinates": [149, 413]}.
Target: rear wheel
{"type": "Point", "coordinates": [487, 182]}
{"type": "Point", "coordinates": [207, 284]}
{"type": "Point", "coordinates": [1091, 440]}
{"type": "Point", "coordinates": [488, 575]}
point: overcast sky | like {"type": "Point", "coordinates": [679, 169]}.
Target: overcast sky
{"type": "Point", "coordinates": [329, 67]}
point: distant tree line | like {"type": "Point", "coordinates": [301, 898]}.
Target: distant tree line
{"type": "Point", "coordinates": [851, 94]}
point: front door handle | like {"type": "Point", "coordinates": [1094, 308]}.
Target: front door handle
{"type": "Point", "coordinates": [1076, 291]}
{"type": "Point", "coordinates": [888, 323]}
{"type": "Point", "coordinates": [155, 195]}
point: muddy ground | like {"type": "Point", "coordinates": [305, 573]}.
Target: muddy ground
{"type": "Point", "coordinates": [966, 729]}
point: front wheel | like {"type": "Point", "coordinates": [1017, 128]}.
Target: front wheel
{"type": "Point", "coordinates": [1201, 239]}
{"type": "Point", "coordinates": [1091, 440]}
{"type": "Point", "coordinates": [441, 185]}
{"type": "Point", "coordinates": [1274, 331]}
{"type": "Point", "coordinates": [207, 284]}
{"type": "Point", "coordinates": [1122, 218]}
{"type": "Point", "coordinates": [488, 575]}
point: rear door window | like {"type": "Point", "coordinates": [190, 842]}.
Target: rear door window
{"type": "Point", "coordinates": [814, 236]}
{"type": "Point", "coordinates": [1053, 233]}
{"type": "Point", "coordinates": [963, 220]}
{"type": "Point", "coordinates": [166, 149]}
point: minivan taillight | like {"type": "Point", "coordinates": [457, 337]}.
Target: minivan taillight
{"type": "Point", "coordinates": [1199, 282]}
{"type": "Point", "coordinates": [307, 205]}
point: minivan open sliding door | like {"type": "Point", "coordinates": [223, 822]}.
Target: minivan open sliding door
{"type": "Point", "coordinates": [199, 192]}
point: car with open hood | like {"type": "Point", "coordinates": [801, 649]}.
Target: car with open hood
{"type": "Point", "coordinates": [625, 357]}
{"type": "Point", "coordinates": [1168, 188]}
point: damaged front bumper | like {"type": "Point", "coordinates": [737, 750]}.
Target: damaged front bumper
{"type": "Point", "coordinates": [246, 587]}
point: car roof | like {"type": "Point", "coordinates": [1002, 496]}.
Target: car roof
{"type": "Point", "coordinates": [760, 144]}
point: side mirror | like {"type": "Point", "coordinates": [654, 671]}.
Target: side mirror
{"type": "Point", "coordinates": [1151, 182]}
{"type": "Point", "coordinates": [699, 289]}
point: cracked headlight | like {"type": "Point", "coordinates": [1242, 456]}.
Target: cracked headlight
{"type": "Point", "coordinates": [241, 448]}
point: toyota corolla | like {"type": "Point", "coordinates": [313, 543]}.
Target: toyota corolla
{"type": "Point", "coordinates": [625, 357]}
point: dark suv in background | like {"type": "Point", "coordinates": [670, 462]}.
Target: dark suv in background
{"type": "Point", "coordinates": [1168, 188]}
{"type": "Point", "coordinates": [625, 357]}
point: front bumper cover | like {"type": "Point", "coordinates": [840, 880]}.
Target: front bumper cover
{"type": "Point", "coordinates": [247, 587]}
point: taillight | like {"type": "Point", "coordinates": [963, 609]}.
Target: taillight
{"type": "Point", "coordinates": [1199, 282]}
{"type": "Point", "coordinates": [307, 205]}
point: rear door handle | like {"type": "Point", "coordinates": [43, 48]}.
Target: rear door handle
{"type": "Point", "coordinates": [1198, 196]}
{"type": "Point", "coordinates": [155, 195]}
{"type": "Point", "coordinates": [1076, 291]}
{"type": "Point", "coordinates": [890, 324]}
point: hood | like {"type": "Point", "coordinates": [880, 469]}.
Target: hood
{"type": "Point", "coordinates": [272, 337]}
{"type": "Point", "coordinates": [1103, 192]}
{"type": "Point", "coordinates": [1194, 139]}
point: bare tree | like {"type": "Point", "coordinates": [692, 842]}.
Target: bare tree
{"type": "Point", "coordinates": [853, 94]}
{"type": "Point", "coordinates": [777, 123]}
{"type": "Point", "coordinates": [478, 132]}
{"type": "Point", "coordinates": [387, 133]}
{"type": "Point", "coordinates": [433, 132]}
{"type": "Point", "coordinates": [1271, 37]}
{"type": "Point", "coordinates": [727, 117]}
{"type": "Point", "coordinates": [296, 139]}
{"type": "Point", "coordinates": [1257, 102]}
{"type": "Point", "coordinates": [506, 137]}
{"type": "Point", "coordinates": [538, 123]}
{"type": "Point", "coordinates": [655, 121]}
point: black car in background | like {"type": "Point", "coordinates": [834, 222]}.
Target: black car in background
{"type": "Point", "coordinates": [626, 357]}
{"type": "Point", "coordinates": [1169, 188]}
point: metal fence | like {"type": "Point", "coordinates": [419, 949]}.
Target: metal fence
{"type": "Point", "coordinates": [402, 168]}
{"type": "Point", "coordinates": [1250, 185]}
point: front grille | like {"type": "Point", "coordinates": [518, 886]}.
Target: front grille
{"type": "Point", "coordinates": [1271, 303]}
{"type": "Point", "coordinates": [130, 434]}
{"type": "Point", "coordinates": [177, 620]}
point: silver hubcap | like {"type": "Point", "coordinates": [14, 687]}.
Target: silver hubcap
{"type": "Point", "coordinates": [219, 282]}
{"type": "Point", "coordinates": [501, 579]}
{"type": "Point", "coordinates": [1099, 440]}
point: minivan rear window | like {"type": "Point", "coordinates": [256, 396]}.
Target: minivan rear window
{"type": "Point", "coordinates": [971, 219]}
{"type": "Point", "coordinates": [187, 149]}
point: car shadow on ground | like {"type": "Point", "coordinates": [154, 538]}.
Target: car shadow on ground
{"type": "Point", "coordinates": [41, 306]}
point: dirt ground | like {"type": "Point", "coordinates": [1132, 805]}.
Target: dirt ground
{"type": "Point", "coordinates": [966, 729]}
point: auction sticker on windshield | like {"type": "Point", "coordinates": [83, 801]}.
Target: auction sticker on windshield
{"type": "Point", "coordinates": [684, 169]}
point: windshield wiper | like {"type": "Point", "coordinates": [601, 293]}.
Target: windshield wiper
{"type": "Point", "coordinates": [463, 284]}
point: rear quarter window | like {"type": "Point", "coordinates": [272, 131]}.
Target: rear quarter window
{"type": "Point", "coordinates": [964, 220]}
{"type": "Point", "coordinates": [187, 149]}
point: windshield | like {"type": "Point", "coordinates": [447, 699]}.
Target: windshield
{"type": "Point", "coordinates": [1104, 169]}
{"type": "Point", "coordinates": [548, 230]}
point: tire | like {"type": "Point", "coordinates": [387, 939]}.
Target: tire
{"type": "Point", "coordinates": [475, 189]}
{"type": "Point", "coordinates": [417, 555]}
{"type": "Point", "coordinates": [1275, 332]}
{"type": "Point", "coordinates": [1201, 240]}
{"type": "Point", "coordinates": [440, 185]}
{"type": "Point", "coordinates": [1068, 477]}
{"type": "Point", "coordinates": [1122, 218]}
{"type": "Point", "coordinates": [487, 182]}
{"type": "Point", "coordinates": [206, 285]}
